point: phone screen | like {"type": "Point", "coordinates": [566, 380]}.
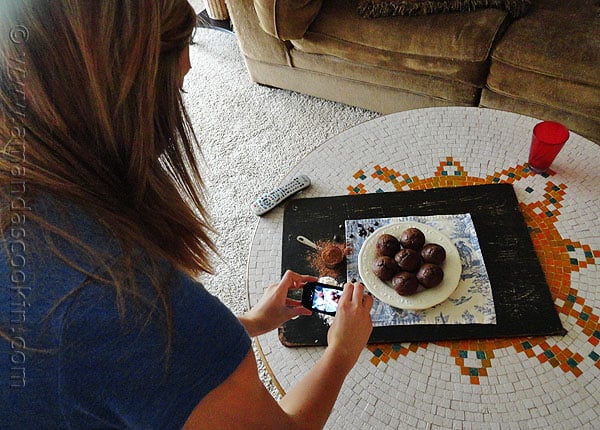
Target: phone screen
{"type": "Point", "coordinates": [325, 299]}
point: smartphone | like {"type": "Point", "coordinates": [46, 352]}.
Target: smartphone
{"type": "Point", "coordinates": [320, 297]}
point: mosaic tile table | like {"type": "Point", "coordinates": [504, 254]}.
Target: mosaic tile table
{"type": "Point", "coordinates": [524, 383]}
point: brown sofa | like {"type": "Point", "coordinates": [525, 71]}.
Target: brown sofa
{"type": "Point", "coordinates": [545, 64]}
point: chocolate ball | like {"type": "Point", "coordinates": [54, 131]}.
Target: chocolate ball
{"type": "Point", "coordinates": [387, 245]}
{"type": "Point", "coordinates": [430, 275]}
{"type": "Point", "coordinates": [433, 253]}
{"type": "Point", "coordinates": [408, 259]}
{"type": "Point", "coordinates": [384, 268]}
{"type": "Point", "coordinates": [405, 283]}
{"type": "Point", "coordinates": [412, 238]}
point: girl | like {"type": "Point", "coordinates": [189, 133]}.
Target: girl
{"type": "Point", "coordinates": [102, 324]}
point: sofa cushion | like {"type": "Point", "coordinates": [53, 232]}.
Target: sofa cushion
{"type": "Point", "coordinates": [286, 19]}
{"type": "Point", "coordinates": [556, 65]}
{"type": "Point", "coordinates": [442, 90]}
{"type": "Point", "coordinates": [453, 46]}
{"type": "Point", "coordinates": [379, 8]}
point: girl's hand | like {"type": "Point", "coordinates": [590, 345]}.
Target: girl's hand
{"type": "Point", "coordinates": [274, 308]}
{"type": "Point", "coordinates": [352, 325]}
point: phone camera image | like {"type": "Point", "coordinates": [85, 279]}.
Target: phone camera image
{"type": "Point", "coordinates": [326, 299]}
{"type": "Point", "coordinates": [321, 297]}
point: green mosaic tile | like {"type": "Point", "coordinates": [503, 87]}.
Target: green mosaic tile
{"type": "Point", "coordinates": [571, 362]}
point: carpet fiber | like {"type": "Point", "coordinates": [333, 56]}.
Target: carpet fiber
{"type": "Point", "coordinates": [250, 137]}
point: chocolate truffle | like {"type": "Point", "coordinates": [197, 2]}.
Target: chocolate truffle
{"type": "Point", "coordinates": [405, 283]}
{"type": "Point", "coordinates": [387, 245]}
{"type": "Point", "coordinates": [430, 275]}
{"type": "Point", "coordinates": [412, 238]}
{"type": "Point", "coordinates": [433, 253]}
{"type": "Point", "coordinates": [384, 268]}
{"type": "Point", "coordinates": [408, 259]}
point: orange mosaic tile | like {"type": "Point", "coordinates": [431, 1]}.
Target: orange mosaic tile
{"type": "Point", "coordinates": [358, 189]}
{"type": "Point", "coordinates": [359, 174]}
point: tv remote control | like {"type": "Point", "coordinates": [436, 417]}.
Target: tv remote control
{"type": "Point", "coordinates": [268, 201]}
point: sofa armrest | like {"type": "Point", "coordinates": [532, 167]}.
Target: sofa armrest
{"type": "Point", "coordinates": [286, 19]}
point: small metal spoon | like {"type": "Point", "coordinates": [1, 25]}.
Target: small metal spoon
{"type": "Point", "coordinates": [307, 242]}
{"type": "Point", "coordinates": [332, 256]}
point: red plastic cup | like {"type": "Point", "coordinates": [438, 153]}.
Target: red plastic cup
{"type": "Point", "coordinates": [548, 139]}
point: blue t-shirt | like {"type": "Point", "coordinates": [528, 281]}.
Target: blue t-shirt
{"type": "Point", "coordinates": [75, 361]}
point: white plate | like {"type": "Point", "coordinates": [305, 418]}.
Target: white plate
{"type": "Point", "coordinates": [423, 299]}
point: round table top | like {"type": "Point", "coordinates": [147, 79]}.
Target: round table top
{"type": "Point", "coordinates": [540, 382]}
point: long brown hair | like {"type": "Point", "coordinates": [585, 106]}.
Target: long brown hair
{"type": "Point", "coordinates": [91, 110]}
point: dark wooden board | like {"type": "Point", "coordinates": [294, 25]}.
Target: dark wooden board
{"type": "Point", "coordinates": [524, 306]}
